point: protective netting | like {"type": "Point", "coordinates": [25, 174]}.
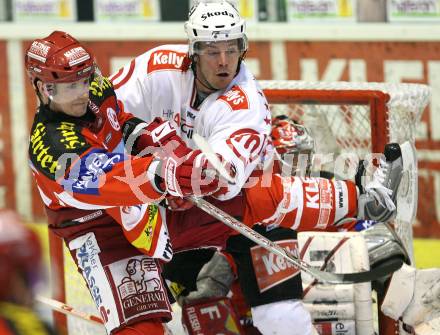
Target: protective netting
{"type": "Point", "coordinates": [406, 101]}
{"type": "Point", "coordinates": [343, 118]}
{"type": "Point", "coordinates": [341, 125]}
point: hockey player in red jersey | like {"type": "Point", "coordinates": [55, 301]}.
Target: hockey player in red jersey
{"type": "Point", "coordinates": [99, 197]}
{"type": "Point", "coordinates": [21, 272]}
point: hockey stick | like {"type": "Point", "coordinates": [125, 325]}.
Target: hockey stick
{"type": "Point", "coordinates": [323, 276]}
{"type": "Point", "coordinates": [68, 310]}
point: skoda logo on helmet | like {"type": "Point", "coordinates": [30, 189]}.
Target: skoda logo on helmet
{"type": "Point", "coordinates": [204, 16]}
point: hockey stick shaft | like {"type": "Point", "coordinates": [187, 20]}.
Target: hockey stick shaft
{"type": "Point", "coordinates": [253, 235]}
{"type": "Point", "coordinates": [69, 310]}
{"type": "Point", "coordinates": [322, 276]}
{"type": "Point", "coordinates": [382, 270]}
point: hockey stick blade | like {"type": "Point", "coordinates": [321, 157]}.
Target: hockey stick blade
{"type": "Point", "coordinates": [68, 310]}
{"type": "Point", "coordinates": [322, 276]}
{"type": "Point", "coordinates": [212, 158]}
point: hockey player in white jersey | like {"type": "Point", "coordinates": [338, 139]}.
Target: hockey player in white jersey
{"type": "Point", "coordinates": [204, 88]}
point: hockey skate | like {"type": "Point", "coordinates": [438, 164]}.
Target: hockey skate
{"type": "Point", "coordinates": [378, 200]}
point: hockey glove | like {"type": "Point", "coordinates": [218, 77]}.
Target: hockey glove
{"type": "Point", "coordinates": [214, 280]}
{"type": "Point", "coordinates": [187, 175]}
{"type": "Point", "coordinates": [159, 134]}
{"type": "Point", "coordinates": [178, 204]}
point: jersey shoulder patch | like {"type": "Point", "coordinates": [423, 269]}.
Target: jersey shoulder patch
{"type": "Point", "coordinates": [48, 141]}
{"type": "Point", "coordinates": [167, 60]}
{"type": "Point", "coordinates": [235, 98]}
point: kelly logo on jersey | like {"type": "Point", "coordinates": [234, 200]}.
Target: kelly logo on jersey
{"type": "Point", "coordinates": [235, 98]}
{"type": "Point", "coordinates": [270, 269]}
{"type": "Point", "coordinates": [166, 60]}
{"type": "Point", "coordinates": [86, 257]}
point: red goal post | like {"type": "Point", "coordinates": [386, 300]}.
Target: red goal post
{"type": "Point", "coordinates": [343, 117]}
{"type": "Point", "coordinates": [359, 118]}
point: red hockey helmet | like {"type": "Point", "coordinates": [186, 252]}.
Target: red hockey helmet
{"type": "Point", "coordinates": [58, 58]}
{"type": "Point", "coordinates": [291, 140]}
{"type": "Point", "coordinates": [20, 252]}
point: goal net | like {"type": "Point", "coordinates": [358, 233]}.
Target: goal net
{"type": "Point", "coordinates": [355, 120]}
{"type": "Point", "coordinates": [344, 118]}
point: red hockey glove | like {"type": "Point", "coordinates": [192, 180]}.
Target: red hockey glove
{"type": "Point", "coordinates": [178, 204]}
{"type": "Point", "coordinates": [187, 175]}
{"type": "Point", "coordinates": [158, 134]}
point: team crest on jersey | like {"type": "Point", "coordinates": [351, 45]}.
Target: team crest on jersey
{"type": "Point", "coordinates": [236, 98]}
{"type": "Point", "coordinates": [167, 60]}
{"type": "Point", "coordinates": [140, 289]}
{"type": "Point", "coordinates": [113, 118]}
{"type": "Point", "coordinates": [270, 269]}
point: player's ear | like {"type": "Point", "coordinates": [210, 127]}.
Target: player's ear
{"type": "Point", "coordinates": [38, 84]}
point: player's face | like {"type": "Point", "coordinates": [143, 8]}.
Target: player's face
{"type": "Point", "coordinates": [217, 63]}
{"type": "Point", "coordinates": [68, 98]}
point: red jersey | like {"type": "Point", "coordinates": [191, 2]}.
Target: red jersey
{"type": "Point", "coordinates": [312, 204]}
{"type": "Point", "coordinates": [83, 163]}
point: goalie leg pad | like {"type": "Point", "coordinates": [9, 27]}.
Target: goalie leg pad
{"type": "Point", "coordinates": [288, 317]}
{"type": "Point", "coordinates": [265, 277]}
{"type": "Point", "coordinates": [400, 292]}
{"type": "Point", "coordinates": [421, 296]}
{"type": "Point", "coordinates": [428, 328]}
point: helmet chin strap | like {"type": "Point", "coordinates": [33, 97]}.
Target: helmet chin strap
{"type": "Point", "coordinates": [205, 83]}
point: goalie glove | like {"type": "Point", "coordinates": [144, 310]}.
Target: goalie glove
{"type": "Point", "coordinates": [214, 280]}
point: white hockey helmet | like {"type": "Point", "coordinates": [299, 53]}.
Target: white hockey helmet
{"type": "Point", "coordinates": [212, 21]}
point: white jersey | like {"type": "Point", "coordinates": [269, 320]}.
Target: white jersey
{"type": "Point", "coordinates": [234, 121]}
